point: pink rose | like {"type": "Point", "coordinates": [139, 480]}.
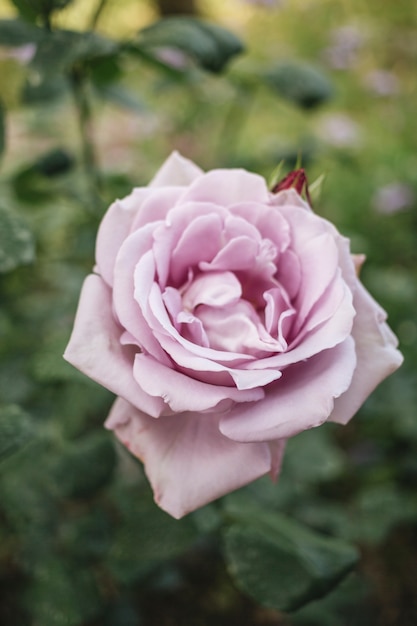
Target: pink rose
{"type": "Point", "coordinates": [226, 318]}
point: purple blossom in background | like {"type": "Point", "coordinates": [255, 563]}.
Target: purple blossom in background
{"type": "Point", "coordinates": [23, 54]}
{"type": "Point", "coordinates": [340, 131]}
{"type": "Point", "coordinates": [393, 198]}
{"type": "Point", "coordinates": [382, 83]}
{"type": "Point", "coordinates": [345, 43]}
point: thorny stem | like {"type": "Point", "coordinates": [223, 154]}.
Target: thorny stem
{"type": "Point", "coordinates": [89, 161]}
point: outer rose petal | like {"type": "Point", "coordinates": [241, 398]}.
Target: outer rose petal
{"type": "Point", "coordinates": [176, 171]}
{"type": "Point", "coordinates": [183, 393]}
{"type": "Point", "coordinates": [303, 398]}
{"type": "Point", "coordinates": [114, 229]}
{"type": "Point", "coordinates": [188, 462]}
{"type": "Point", "coordinates": [95, 349]}
{"type": "Point", "coordinates": [227, 187]}
{"type": "Point", "coordinates": [376, 353]}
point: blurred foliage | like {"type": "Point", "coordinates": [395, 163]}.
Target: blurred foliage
{"type": "Point", "coordinates": [92, 101]}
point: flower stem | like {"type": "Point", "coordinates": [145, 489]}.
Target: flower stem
{"type": "Point", "coordinates": [89, 162]}
{"type": "Point", "coordinates": [97, 14]}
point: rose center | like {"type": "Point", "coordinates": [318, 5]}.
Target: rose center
{"type": "Point", "coordinates": [210, 310]}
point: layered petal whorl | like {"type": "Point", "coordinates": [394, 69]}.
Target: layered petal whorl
{"type": "Point", "coordinates": [227, 318]}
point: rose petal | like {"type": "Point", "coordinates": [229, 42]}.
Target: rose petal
{"type": "Point", "coordinates": [228, 187]}
{"type": "Point", "coordinates": [217, 289]}
{"type": "Point", "coordinates": [176, 171]}
{"type": "Point", "coordinates": [200, 241]}
{"type": "Point", "coordinates": [301, 399]}
{"type": "Point", "coordinates": [188, 462]}
{"type": "Point", "coordinates": [376, 354]}
{"type": "Point", "coordinates": [95, 349]}
{"type": "Point", "coordinates": [238, 254]}
{"type": "Point", "coordinates": [269, 222]}
{"type": "Point", "coordinates": [156, 206]}
{"type": "Point", "coordinates": [183, 393]}
{"type": "Point", "coordinates": [113, 230]}
{"type": "Point", "coordinates": [168, 235]}
{"type": "Point", "coordinates": [329, 333]}
{"type": "Point", "coordinates": [131, 276]}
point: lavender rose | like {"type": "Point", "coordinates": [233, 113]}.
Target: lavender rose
{"type": "Point", "coordinates": [226, 318]}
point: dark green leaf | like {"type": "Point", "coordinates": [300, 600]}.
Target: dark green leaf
{"type": "Point", "coordinates": [61, 595]}
{"type": "Point", "coordinates": [26, 9]}
{"type": "Point", "coordinates": [105, 70]}
{"type": "Point", "coordinates": [16, 429]}
{"type": "Point", "coordinates": [121, 96]}
{"type": "Point", "coordinates": [58, 51]}
{"type": "Point", "coordinates": [41, 90]}
{"type": "Point", "coordinates": [32, 9]}
{"type": "Point", "coordinates": [279, 562]}
{"type": "Point", "coordinates": [378, 509]}
{"type": "Point", "coordinates": [208, 45]}
{"type": "Point", "coordinates": [146, 535]}
{"type": "Point", "coordinates": [33, 183]}
{"type": "Point", "coordinates": [16, 241]}
{"type": "Point", "coordinates": [54, 163]}
{"type": "Point", "coordinates": [300, 83]}
{"type": "Point", "coordinates": [86, 465]}
{"type": "Point", "coordinates": [18, 33]}
{"type": "Point", "coordinates": [57, 55]}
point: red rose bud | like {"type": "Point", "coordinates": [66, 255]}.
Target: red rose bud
{"type": "Point", "coordinates": [297, 180]}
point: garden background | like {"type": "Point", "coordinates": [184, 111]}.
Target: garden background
{"type": "Point", "coordinates": [89, 109]}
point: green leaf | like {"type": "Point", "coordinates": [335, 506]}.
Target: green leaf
{"type": "Point", "coordinates": [145, 535]}
{"type": "Point", "coordinates": [61, 595]}
{"type": "Point", "coordinates": [38, 181]}
{"type": "Point", "coordinates": [57, 55]}
{"type": "Point", "coordinates": [86, 465]}
{"type": "Point", "coordinates": [16, 429]}
{"type": "Point", "coordinates": [279, 562]}
{"type": "Point", "coordinates": [125, 98]}
{"type": "Point", "coordinates": [32, 9]}
{"type": "Point", "coordinates": [208, 45]}
{"type": "Point", "coordinates": [17, 32]}
{"type": "Point", "coordinates": [301, 83]}
{"type": "Point", "coordinates": [16, 241]}
{"type": "Point", "coordinates": [378, 509]}
{"type": "Point", "coordinates": [58, 51]}
{"type": "Point", "coordinates": [25, 9]}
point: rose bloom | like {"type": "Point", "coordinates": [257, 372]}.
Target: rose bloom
{"type": "Point", "coordinates": [226, 318]}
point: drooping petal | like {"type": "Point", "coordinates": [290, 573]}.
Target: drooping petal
{"type": "Point", "coordinates": [376, 351]}
{"type": "Point", "coordinates": [187, 460]}
{"type": "Point", "coordinates": [277, 449]}
{"type": "Point", "coordinates": [301, 399]}
{"type": "Point", "coordinates": [95, 349]}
